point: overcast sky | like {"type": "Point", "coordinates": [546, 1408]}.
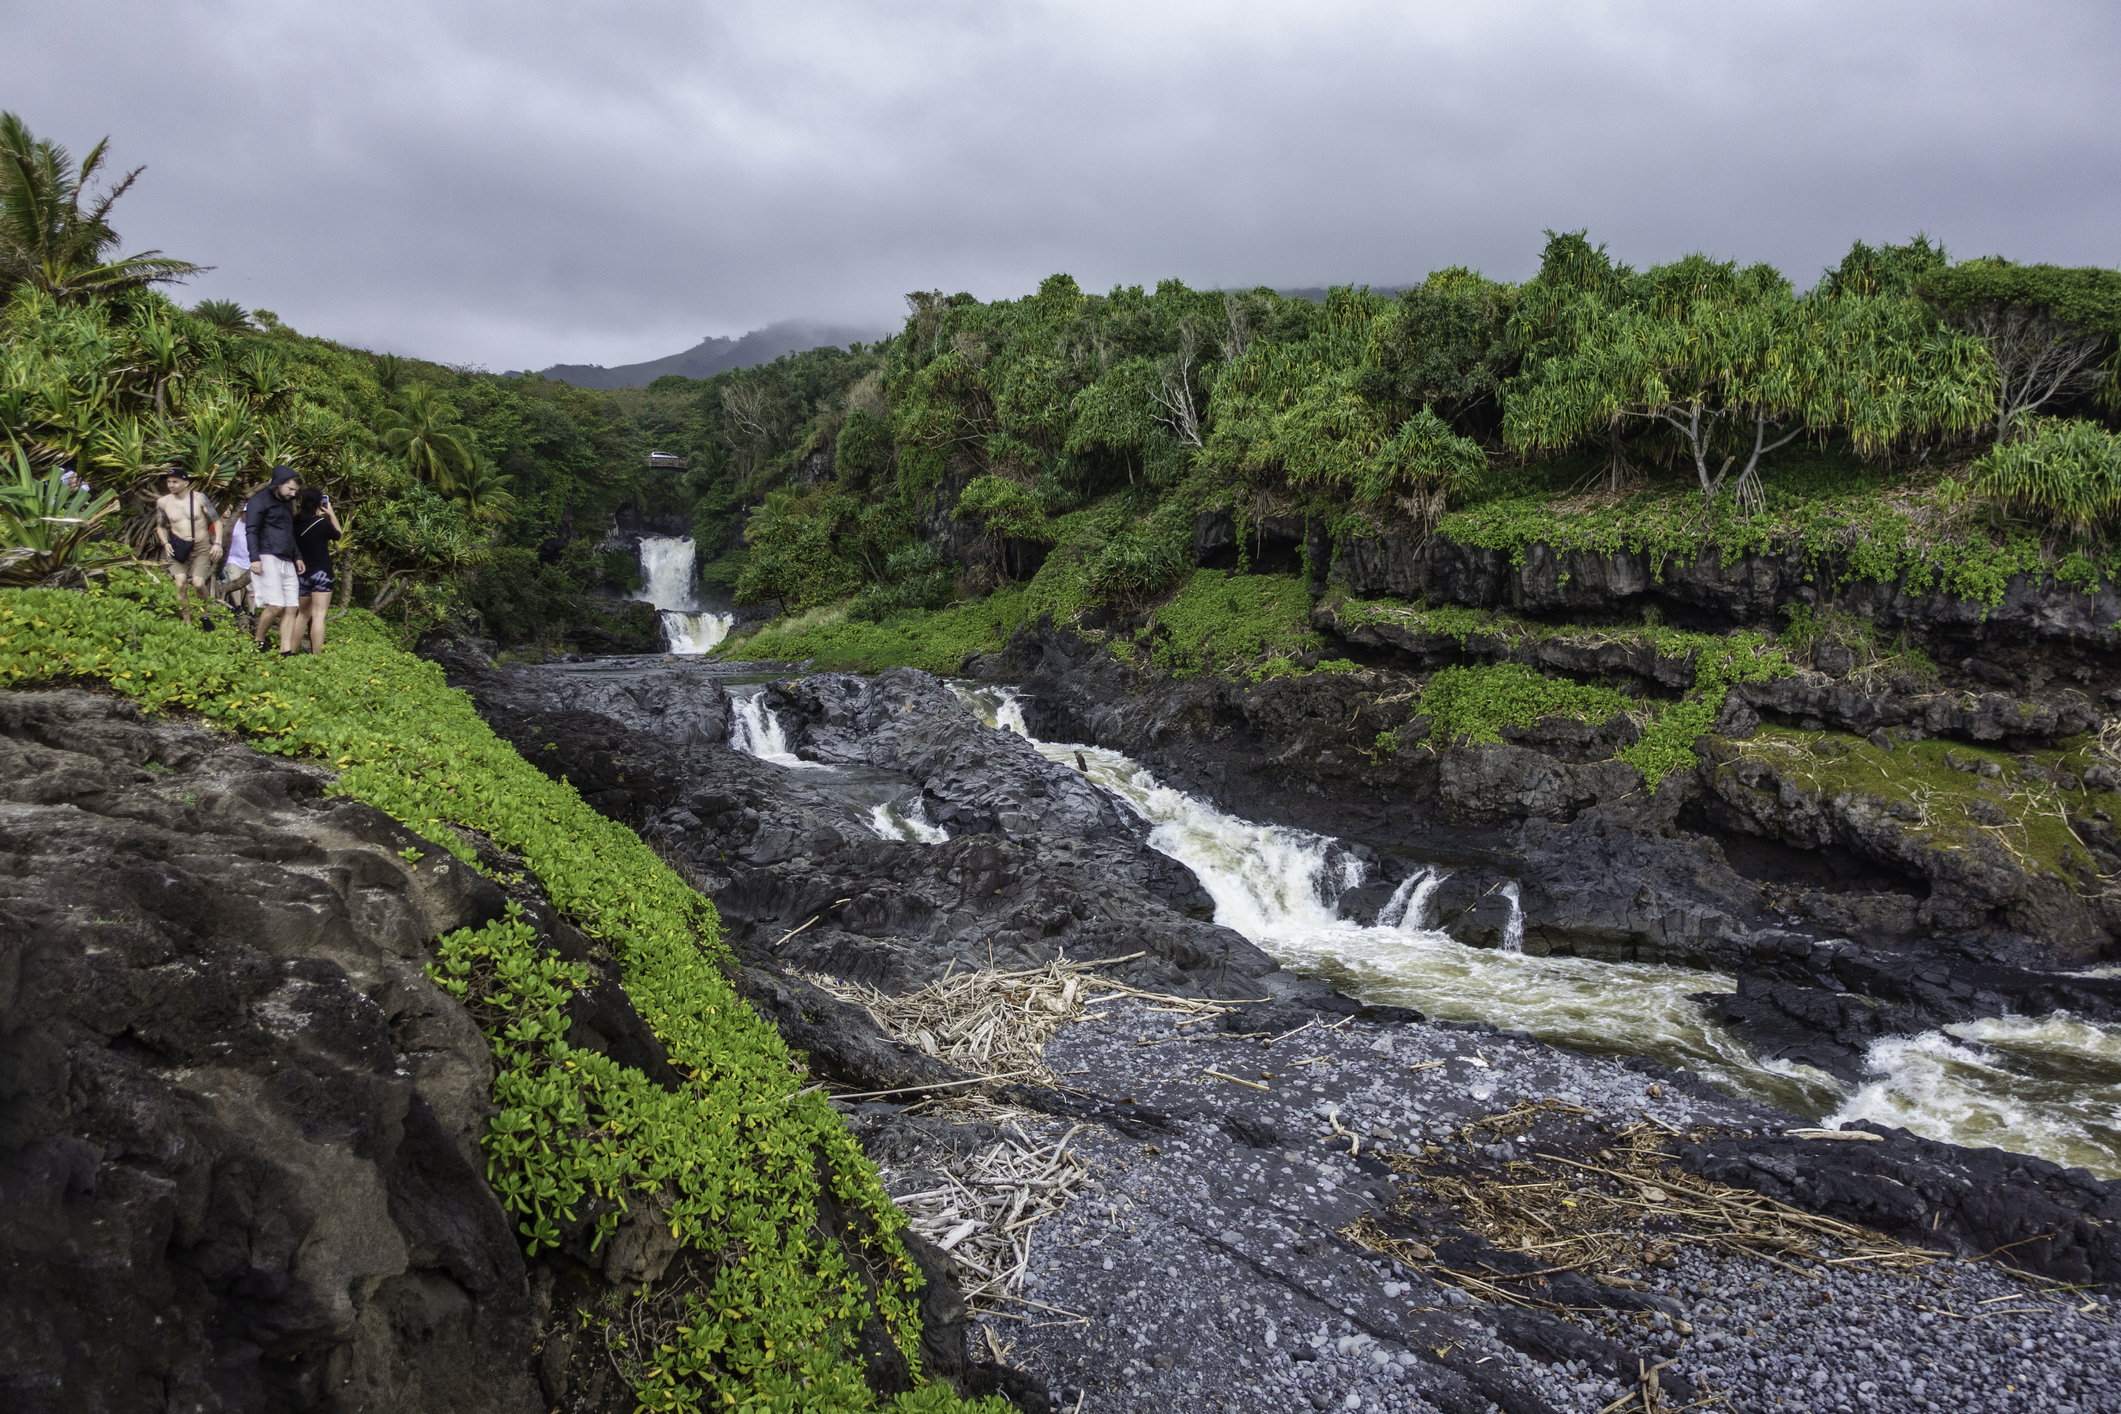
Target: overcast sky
{"type": "Point", "coordinates": [517, 184]}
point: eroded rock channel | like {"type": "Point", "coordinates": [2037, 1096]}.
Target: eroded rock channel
{"type": "Point", "coordinates": [1303, 1183]}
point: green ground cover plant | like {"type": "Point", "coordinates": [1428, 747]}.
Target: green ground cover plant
{"type": "Point", "coordinates": [936, 642]}
{"type": "Point", "coordinates": [1251, 625]}
{"type": "Point", "coordinates": [735, 1165]}
{"type": "Point", "coordinates": [1472, 704]}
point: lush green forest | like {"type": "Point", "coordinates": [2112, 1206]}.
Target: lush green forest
{"type": "Point", "coordinates": [917, 499]}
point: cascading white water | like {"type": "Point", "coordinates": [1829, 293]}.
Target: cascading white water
{"type": "Point", "coordinates": [1394, 913]}
{"type": "Point", "coordinates": [1408, 908]}
{"type": "Point", "coordinates": [666, 583]}
{"type": "Point", "coordinates": [909, 824]}
{"type": "Point", "coordinates": [755, 731]}
{"type": "Point", "coordinates": [1417, 914]}
{"type": "Point", "coordinates": [1513, 926]}
{"type": "Point", "coordinates": [2049, 1086]}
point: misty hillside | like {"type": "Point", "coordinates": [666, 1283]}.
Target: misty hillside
{"type": "Point", "coordinates": [713, 355]}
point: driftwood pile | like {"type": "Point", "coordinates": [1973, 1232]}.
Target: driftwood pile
{"type": "Point", "coordinates": [1610, 1221]}
{"type": "Point", "coordinates": [996, 1024]}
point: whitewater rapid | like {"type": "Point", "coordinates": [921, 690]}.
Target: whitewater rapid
{"type": "Point", "coordinates": [2049, 1086]}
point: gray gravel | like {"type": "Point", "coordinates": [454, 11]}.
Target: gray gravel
{"type": "Point", "coordinates": [1209, 1274]}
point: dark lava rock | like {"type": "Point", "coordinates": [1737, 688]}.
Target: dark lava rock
{"type": "Point", "coordinates": [239, 1163]}
{"type": "Point", "coordinates": [2061, 1223]}
{"type": "Point", "coordinates": [1039, 861]}
{"type": "Point", "coordinates": [1750, 589]}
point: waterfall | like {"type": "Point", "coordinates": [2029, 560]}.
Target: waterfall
{"type": "Point", "coordinates": [1009, 714]}
{"type": "Point", "coordinates": [666, 583]}
{"type": "Point", "coordinates": [1408, 909]}
{"type": "Point", "coordinates": [2046, 1086]}
{"type": "Point", "coordinates": [755, 731]}
{"type": "Point", "coordinates": [1418, 907]}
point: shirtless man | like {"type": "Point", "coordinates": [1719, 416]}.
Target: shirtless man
{"type": "Point", "coordinates": [190, 531]}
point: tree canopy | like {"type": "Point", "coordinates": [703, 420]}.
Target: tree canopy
{"type": "Point", "coordinates": [1733, 363]}
{"type": "Point", "coordinates": [48, 239]}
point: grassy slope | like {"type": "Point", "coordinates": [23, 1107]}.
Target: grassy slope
{"type": "Point", "coordinates": [732, 1162]}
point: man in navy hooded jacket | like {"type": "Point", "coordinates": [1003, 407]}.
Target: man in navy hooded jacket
{"type": "Point", "coordinates": [269, 520]}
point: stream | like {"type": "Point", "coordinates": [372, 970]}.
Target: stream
{"type": "Point", "coordinates": [2049, 1086]}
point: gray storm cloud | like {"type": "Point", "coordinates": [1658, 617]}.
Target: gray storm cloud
{"type": "Point", "coordinates": [514, 185]}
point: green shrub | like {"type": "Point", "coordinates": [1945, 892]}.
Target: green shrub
{"type": "Point", "coordinates": [731, 1162]}
{"type": "Point", "coordinates": [1005, 507]}
{"type": "Point", "coordinates": [863, 448]}
{"type": "Point", "coordinates": [2065, 471]}
{"type": "Point", "coordinates": [1472, 705]}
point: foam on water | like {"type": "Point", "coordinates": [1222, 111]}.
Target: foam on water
{"type": "Point", "coordinates": [2048, 1086]}
{"type": "Point", "coordinates": [910, 824]}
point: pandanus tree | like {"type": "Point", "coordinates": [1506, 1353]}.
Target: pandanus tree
{"type": "Point", "coordinates": [1734, 363]}
{"type": "Point", "coordinates": [55, 231]}
{"type": "Point", "coordinates": [2054, 331]}
{"type": "Point", "coordinates": [1328, 415]}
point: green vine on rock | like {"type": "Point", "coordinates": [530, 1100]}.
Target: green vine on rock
{"type": "Point", "coordinates": [736, 1162]}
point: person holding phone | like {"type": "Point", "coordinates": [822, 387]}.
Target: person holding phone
{"type": "Point", "coordinates": [316, 526]}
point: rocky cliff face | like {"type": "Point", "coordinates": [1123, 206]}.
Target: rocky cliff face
{"type": "Point", "coordinates": [1704, 591]}
{"type": "Point", "coordinates": [239, 1162]}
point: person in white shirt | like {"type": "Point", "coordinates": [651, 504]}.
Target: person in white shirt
{"type": "Point", "coordinates": [235, 574]}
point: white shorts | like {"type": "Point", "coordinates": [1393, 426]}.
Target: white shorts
{"type": "Point", "coordinates": [273, 579]}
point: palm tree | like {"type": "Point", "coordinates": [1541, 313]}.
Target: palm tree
{"type": "Point", "coordinates": [48, 240]}
{"type": "Point", "coordinates": [485, 491]}
{"type": "Point", "coordinates": [224, 314]}
{"type": "Point", "coordinates": [433, 445]}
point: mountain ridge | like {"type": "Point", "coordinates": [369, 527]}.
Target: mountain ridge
{"type": "Point", "coordinates": [715, 354]}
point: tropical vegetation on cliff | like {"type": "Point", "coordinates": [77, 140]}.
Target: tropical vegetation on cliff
{"type": "Point", "coordinates": [1918, 414]}
{"type": "Point", "coordinates": [736, 1163]}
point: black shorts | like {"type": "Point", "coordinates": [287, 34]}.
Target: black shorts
{"type": "Point", "coordinates": [316, 582]}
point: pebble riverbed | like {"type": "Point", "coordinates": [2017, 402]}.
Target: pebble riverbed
{"type": "Point", "coordinates": [1206, 1273]}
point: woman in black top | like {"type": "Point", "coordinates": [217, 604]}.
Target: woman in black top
{"type": "Point", "coordinates": [316, 526]}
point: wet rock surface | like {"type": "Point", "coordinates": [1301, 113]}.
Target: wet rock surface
{"type": "Point", "coordinates": [239, 1162]}
{"type": "Point", "coordinates": [1214, 1264]}
{"type": "Point", "coordinates": [1039, 862]}
{"type": "Point", "coordinates": [1721, 867]}
{"type": "Point", "coordinates": [1213, 1269]}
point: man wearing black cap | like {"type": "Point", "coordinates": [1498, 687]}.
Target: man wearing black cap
{"type": "Point", "coordinates": [269, 522]}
